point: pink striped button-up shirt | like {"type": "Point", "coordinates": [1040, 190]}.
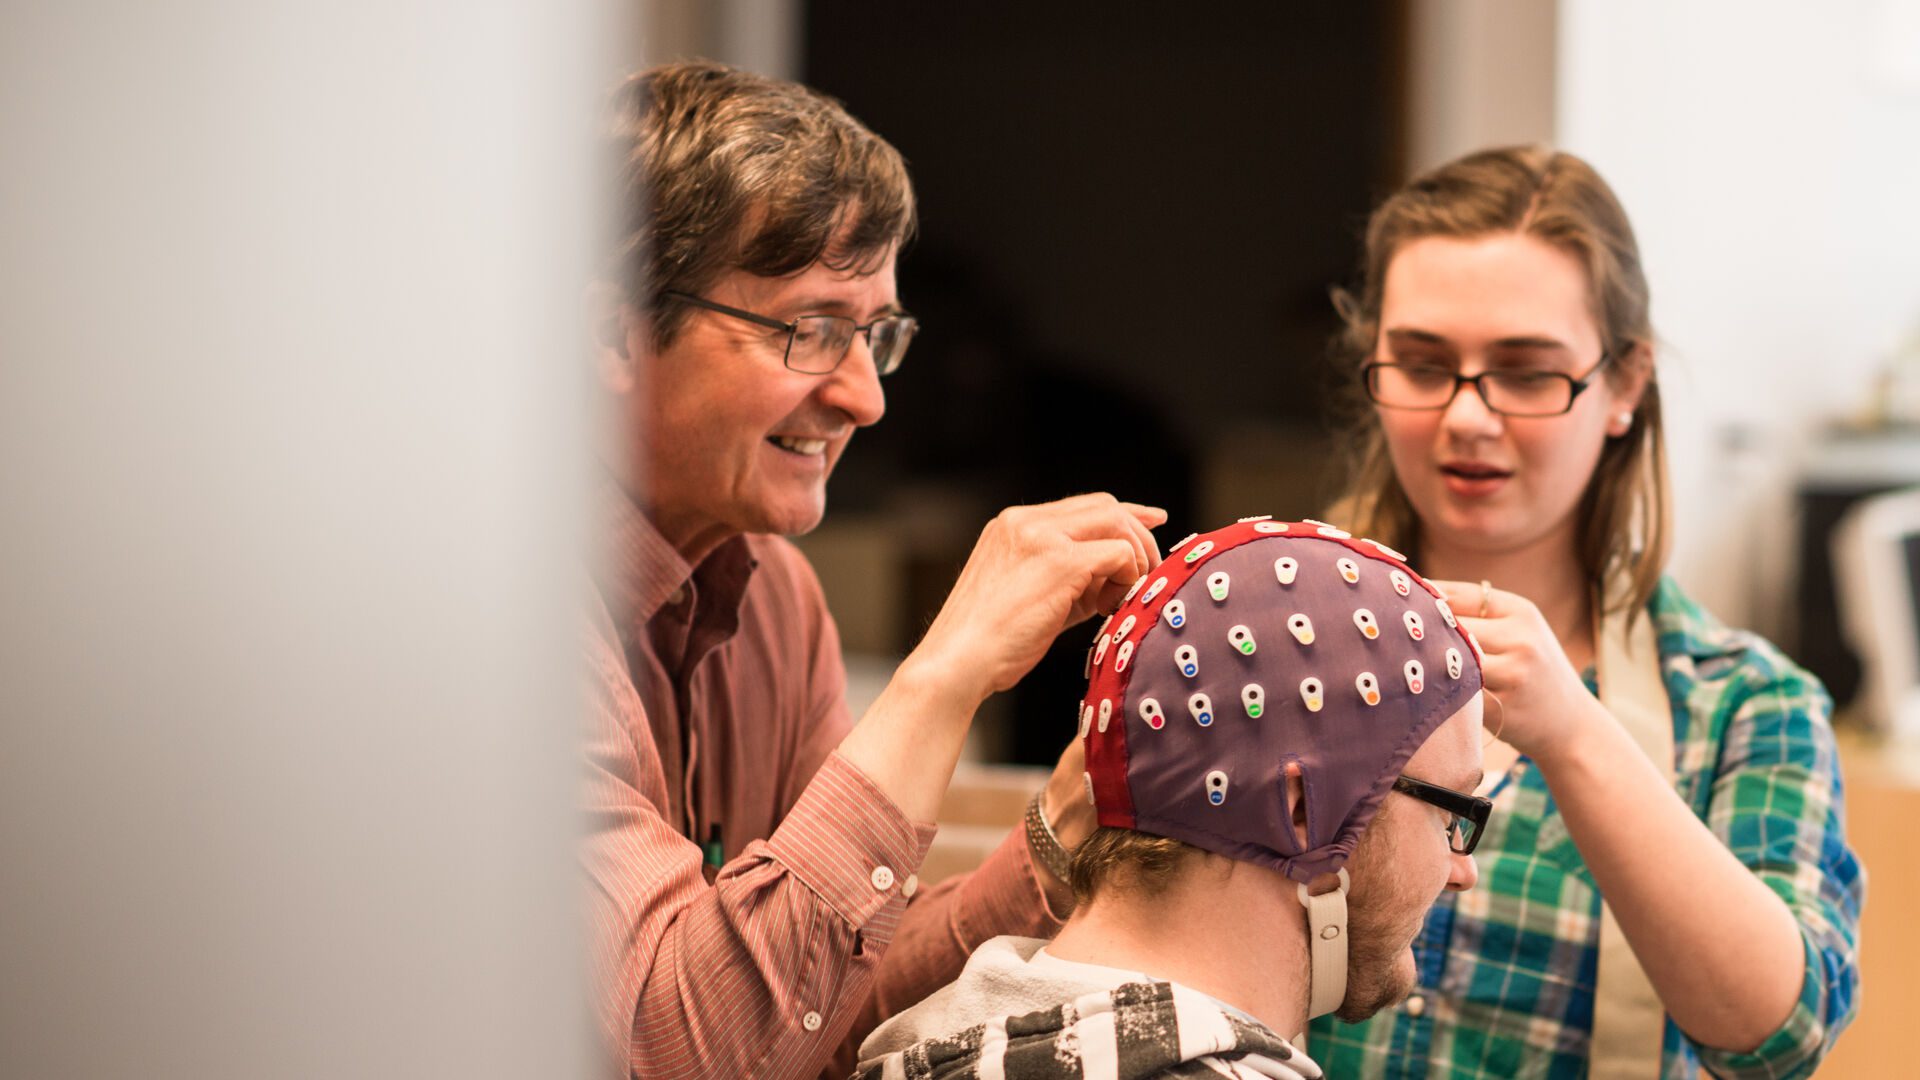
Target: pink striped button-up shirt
{"type": "Point", "coordinates": [717, 697]}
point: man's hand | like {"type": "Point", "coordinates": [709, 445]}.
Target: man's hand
{"type": "Point", "coordinates": [1035, 571]}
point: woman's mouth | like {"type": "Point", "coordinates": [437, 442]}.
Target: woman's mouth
{"type": "Point", "coordinates": [1473, 479]}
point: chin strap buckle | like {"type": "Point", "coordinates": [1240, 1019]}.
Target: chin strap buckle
{"type": "Point", "coordinates": [1327, 940]}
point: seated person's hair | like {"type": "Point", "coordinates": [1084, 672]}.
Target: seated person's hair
{"type": "Point", "coordinates": [1127, 861]}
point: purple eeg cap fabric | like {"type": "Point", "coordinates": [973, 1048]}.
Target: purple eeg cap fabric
{"type": "Point", "coordinates": [1253, 647]}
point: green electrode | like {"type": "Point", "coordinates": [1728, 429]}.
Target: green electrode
{"type": "Point", "coordinates": [716, 854]}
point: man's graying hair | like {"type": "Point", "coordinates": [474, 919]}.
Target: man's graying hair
{"type": "Point", "coordinates": [721, 169]}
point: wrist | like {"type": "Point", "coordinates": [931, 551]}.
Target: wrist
{"type": "Point", "coordinates": [1573, 745]}
{"type": "Point", "coordinates": [1051, 855]}
{"type": "Point", "coordinates": [939, 684]}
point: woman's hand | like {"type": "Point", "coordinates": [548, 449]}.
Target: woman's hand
{"type": "Point", "coordinates": [1537, 702]}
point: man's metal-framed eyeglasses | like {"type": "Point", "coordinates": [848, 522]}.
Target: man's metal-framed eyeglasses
{"type": "Point", "coordinates": [1509, 392]}
{"type": "Point", "coordinates": [817, 343]}
{"type": "Point", "coordinates": [1466, 814]}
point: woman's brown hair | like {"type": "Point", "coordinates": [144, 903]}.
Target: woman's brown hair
{"type": "Point", "coordinates": [1625, 531]}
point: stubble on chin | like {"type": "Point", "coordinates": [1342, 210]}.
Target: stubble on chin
{"type": "Point", "coordinates": [1380, 971]}
{"type": "Point", "coordinates": [1380, 932]}
{"type": "Point", "coordinates": [1373, 984]}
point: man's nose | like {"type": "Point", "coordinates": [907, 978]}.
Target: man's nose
{"type": "Point", "coordinates": [854, 386]}
{"type": "Point", "coordinates": [1464, 874]}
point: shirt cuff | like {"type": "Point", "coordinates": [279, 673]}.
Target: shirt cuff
{"type": "Point", "coordinates": [1794, 1048]}
{"type": "Point", "coordinates": [849, 843]}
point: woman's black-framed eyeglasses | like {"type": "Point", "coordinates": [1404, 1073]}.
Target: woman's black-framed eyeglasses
{"type": "Point", "coordinates": [1509, 392]}
{"type": "Point", "coordinates": [817, 343]}
{"type": "Point", "coordinates": [1467, 813]}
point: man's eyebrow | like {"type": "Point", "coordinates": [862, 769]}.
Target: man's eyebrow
{"type": "Point", "coordinates": [828, 305]}
{"type": "Point", "coordinates": [806, 304]}
{"type": "Point", "coordinates": [1423, 336]}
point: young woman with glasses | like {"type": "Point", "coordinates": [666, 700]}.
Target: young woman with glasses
{"type": "Point", "coordinates": [1665, 882]}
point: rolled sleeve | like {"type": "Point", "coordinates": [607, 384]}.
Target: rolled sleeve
{"type": "Point", "coordinates": [1778, 804]}
{"type": "Point", "coordinates": [1796, 1047]}
{"type": "Point", "coordinates": [1003, 896]}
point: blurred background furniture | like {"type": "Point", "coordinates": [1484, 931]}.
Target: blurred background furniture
{"type": "Point", "coordinates": [1876, 571]}
{"type": "Point", "coordinates": [1844, 472]}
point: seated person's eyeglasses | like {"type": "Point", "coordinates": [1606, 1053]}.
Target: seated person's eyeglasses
{"type": "Point", "coordinates": [817, 343]}
{"type": "Point", "coordinates": [1466, 814]}
{"type": "Point", "coordinates": [1509, 392]}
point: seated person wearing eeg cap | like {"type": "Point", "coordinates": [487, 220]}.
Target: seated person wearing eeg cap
{"type": "Point", "coordinates": [1282, 726]}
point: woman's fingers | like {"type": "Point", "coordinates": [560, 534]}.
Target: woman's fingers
{"type": "Point", "coordinates": [1476, 599]}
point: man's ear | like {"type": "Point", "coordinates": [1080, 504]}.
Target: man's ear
{"type": "Point", "coordinates": [619, 337]}
{"type": "Point", "coordinates": [1297, 803]}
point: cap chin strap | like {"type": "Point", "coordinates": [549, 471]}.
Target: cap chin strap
{"type": "Point", "coordinates": [1327, 936]}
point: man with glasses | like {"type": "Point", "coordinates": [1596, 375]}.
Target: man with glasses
{"type": "Point", "coordinates": [752, 851]}
{"type": "Point", "coordinates": [1282, 736]}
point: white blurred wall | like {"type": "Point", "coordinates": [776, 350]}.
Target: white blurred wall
{"type": "Point", "coordinates": [291, 360]}
{"type": "Point", "coordinates": [1769, 154]}
{"type": "Point", "coordinates": [1479, 73]}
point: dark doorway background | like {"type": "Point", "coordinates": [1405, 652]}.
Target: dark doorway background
{"type": "Point", "coordinates": [1129, 223]}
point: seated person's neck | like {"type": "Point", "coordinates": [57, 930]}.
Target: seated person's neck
{"type": "Point", "coordinates": [1233, 931]}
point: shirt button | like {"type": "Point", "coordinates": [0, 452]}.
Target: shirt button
{"type": "Point", "coordinates": [811, 1021]}
{"type": "Point", "coordinates": [910, 886]}
{"type": "Point", "coordinates": [882, 878]}
{"type": "Point", "coordinates": [1416, 1005]}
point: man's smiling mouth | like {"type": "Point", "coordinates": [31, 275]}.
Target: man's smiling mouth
{"type": "Point", "coordinates": [796, 445]}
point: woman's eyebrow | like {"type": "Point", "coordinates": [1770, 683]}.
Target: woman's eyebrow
{"type": "Point", "coordinates": [1528, 341]}
{"type": "Point", "coordinates": [1517, 341]}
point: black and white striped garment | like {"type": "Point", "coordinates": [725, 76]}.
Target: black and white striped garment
{"type": "Point", "coordinates": [1133, 1032]}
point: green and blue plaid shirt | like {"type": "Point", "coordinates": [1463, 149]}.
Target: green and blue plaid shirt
{"type": "Point", "coordinates": [1507, 969]}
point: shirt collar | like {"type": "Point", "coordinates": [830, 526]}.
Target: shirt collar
{"type": "Point", "coordinates": [641, 572]}
{"type": "Point", "coordinates": [1685, 628]}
